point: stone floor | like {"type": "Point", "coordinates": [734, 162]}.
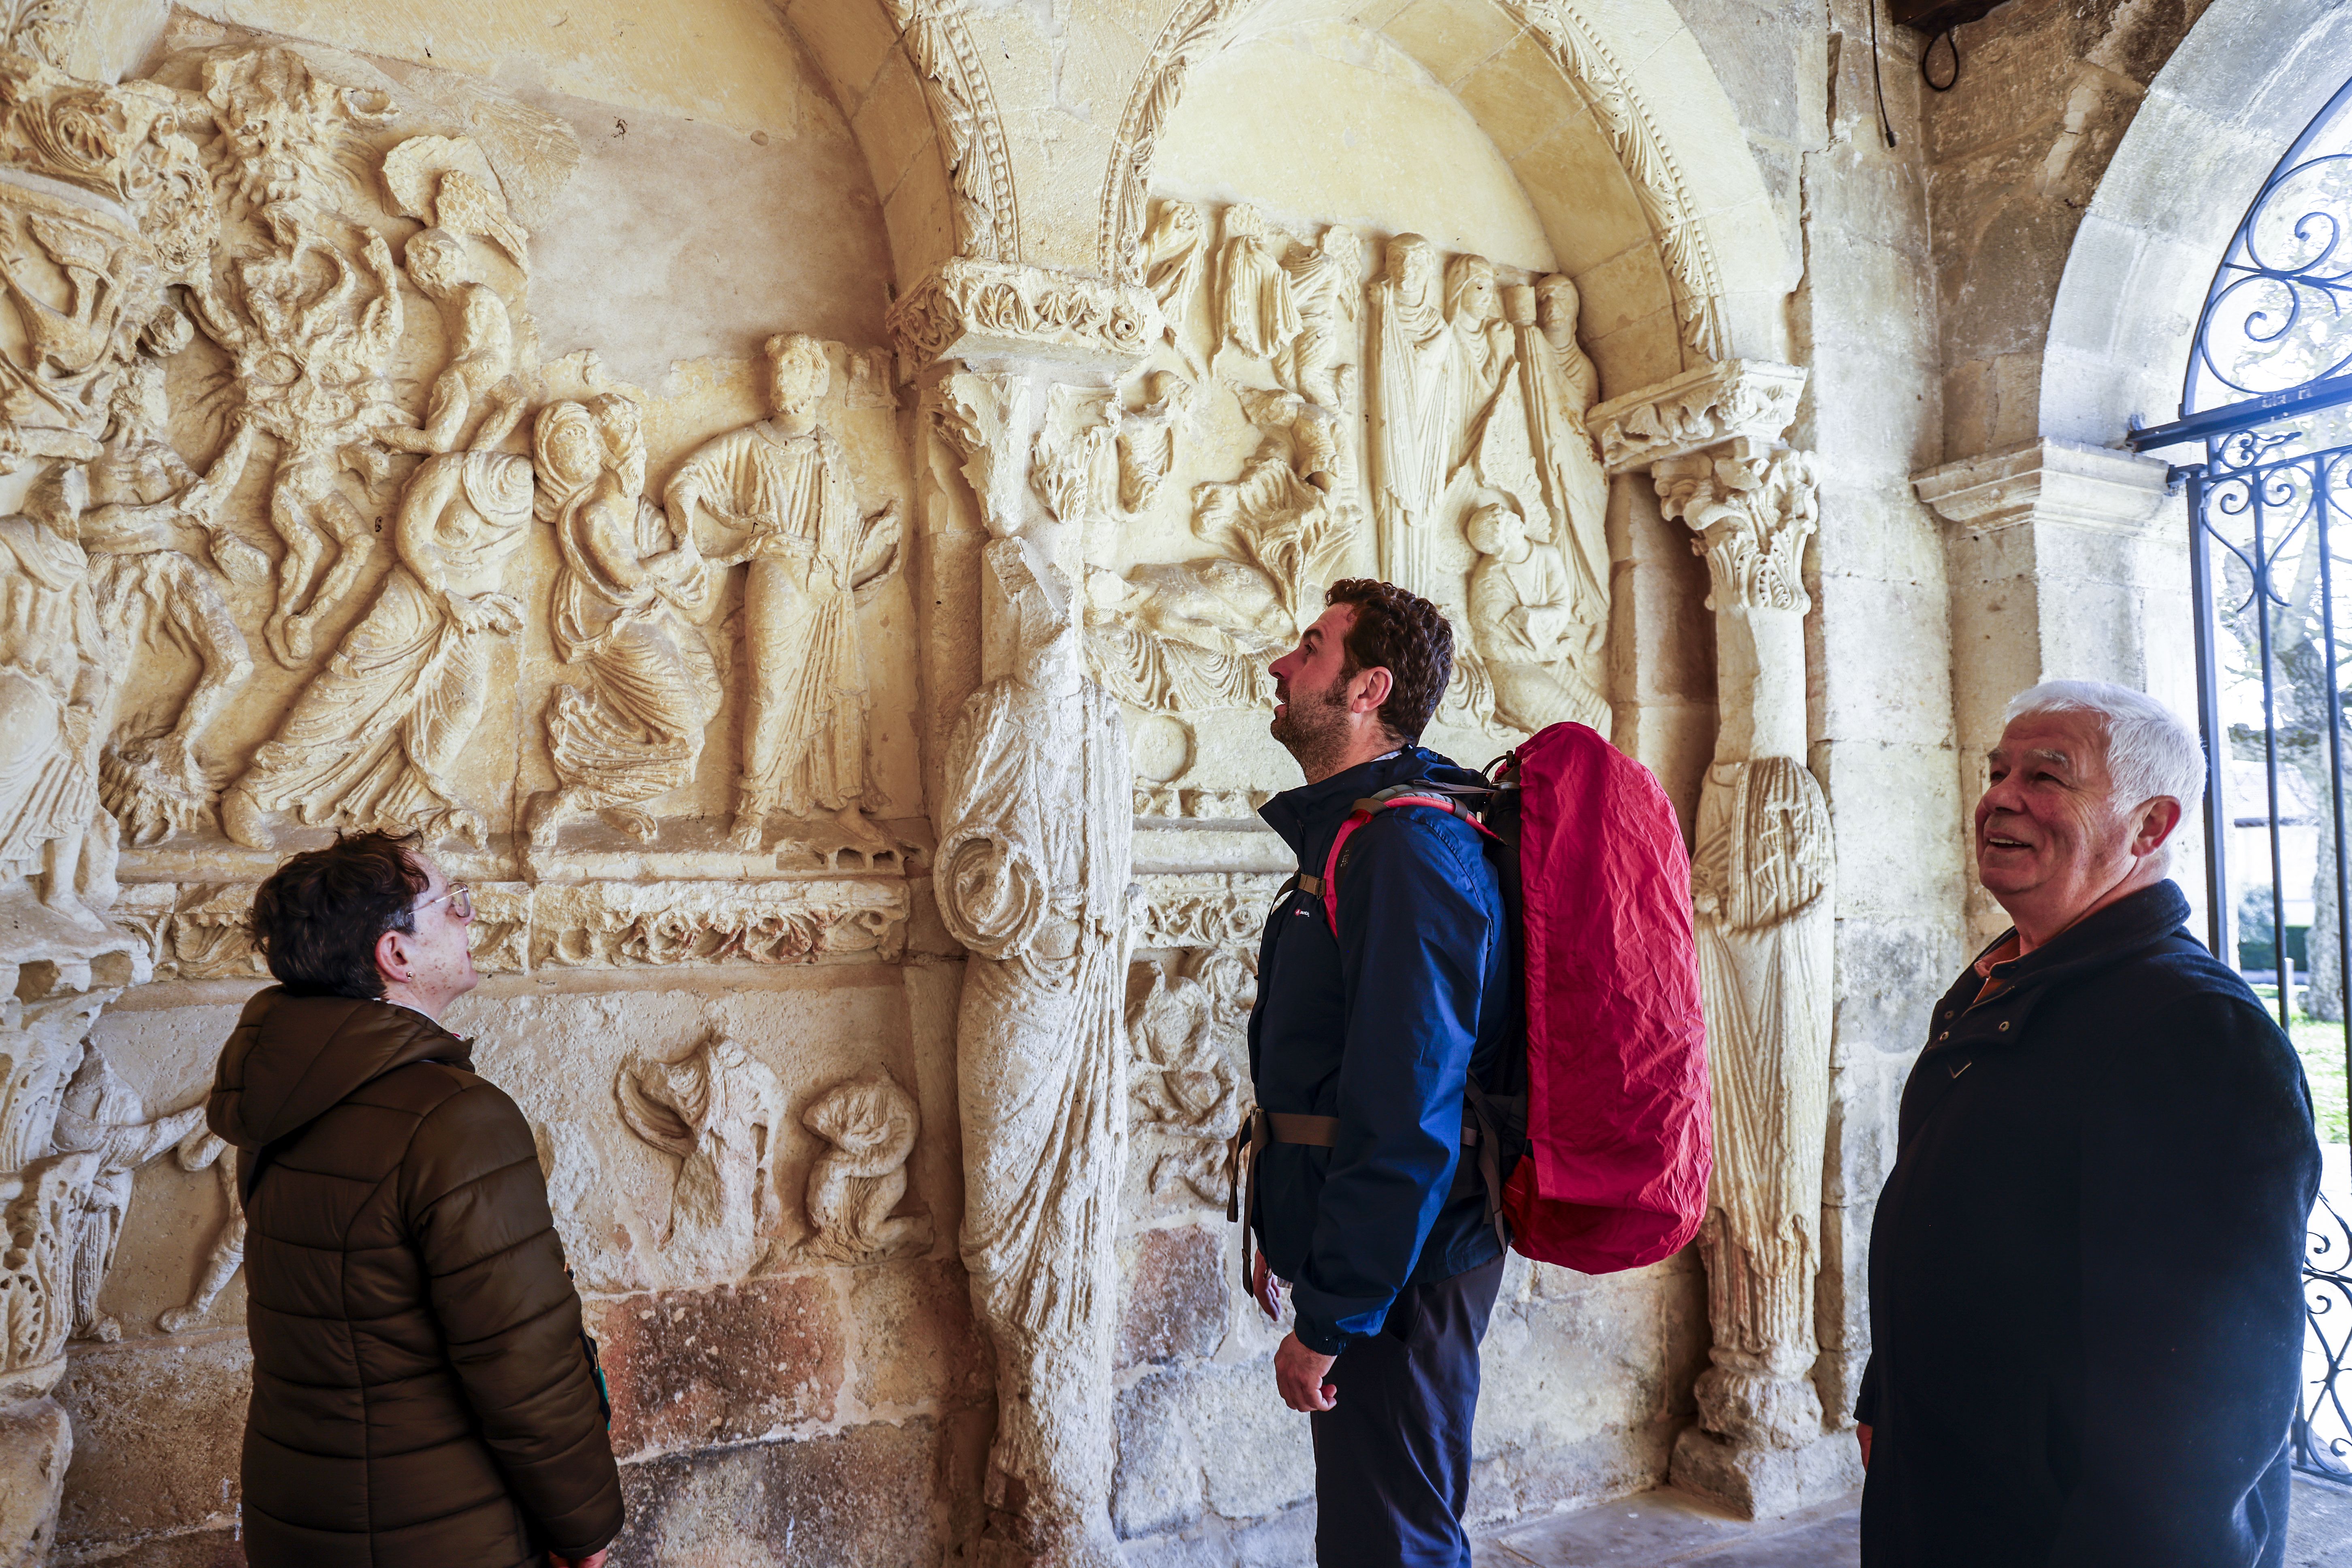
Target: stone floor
{"type": "Point", "coordinates": [1656, 1529]}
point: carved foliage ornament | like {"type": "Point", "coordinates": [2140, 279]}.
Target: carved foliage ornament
{"type": "Point", "coordinates": [1752, 510]}
{"type": "Point", "coordinates": [972, 131]}
{"type": "Point", "coordinates": [975, 309]}
{"type": "Point", "coordinates": [1754, 399]}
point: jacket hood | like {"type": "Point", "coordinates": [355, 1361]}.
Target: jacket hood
{"type": "Point", "coordinates": [1299, 814]}
{"type": "Point", "coordinates": [292, 1059]}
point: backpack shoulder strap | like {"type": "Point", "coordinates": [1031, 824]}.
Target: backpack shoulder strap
{"type": "Point", "coordinates": [1326, 886]}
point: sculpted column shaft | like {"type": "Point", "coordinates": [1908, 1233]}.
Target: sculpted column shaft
{"type": "Point", "coordinates": [1762, 887]}
{"type": "Point", "coordinates": [1034, 815]}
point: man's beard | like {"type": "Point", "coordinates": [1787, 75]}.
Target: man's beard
{"type": "Point", "coordinates": [1313, 727]}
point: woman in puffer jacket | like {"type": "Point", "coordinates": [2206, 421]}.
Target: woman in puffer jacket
{"type": "Point", "coordinates": [422, 1398]}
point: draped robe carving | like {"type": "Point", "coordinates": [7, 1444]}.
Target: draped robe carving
{"type": "Point", "coordinates": [1032, 876]}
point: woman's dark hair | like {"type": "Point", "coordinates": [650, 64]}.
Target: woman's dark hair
{"type": "Point", "coordinates": [1408, 636]}
{"type": "Point", "coordinates": [319, 916]}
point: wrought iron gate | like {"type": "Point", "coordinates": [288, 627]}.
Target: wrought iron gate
{"type": "Point", "coordinates": [2269, 396]}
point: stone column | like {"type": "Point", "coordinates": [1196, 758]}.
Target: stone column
{"type": "Point", "coordinates": [2058, 569]}
{"type": "Point", "coordinates": [1031, 796]}
{"type": "Point", "coordinates": [1763, 890]}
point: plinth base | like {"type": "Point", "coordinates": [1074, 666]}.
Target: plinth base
{"type": "Point", "coordinates": [1761, 1483]}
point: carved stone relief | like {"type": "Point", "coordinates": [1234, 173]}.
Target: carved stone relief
{"type": "Point", "coordinates": [784, 486]}
{"type": "Point", "coordinates": [870, 1125]}
{"type": "Point", "coordinates": [718, 1111]}
{"type": "Point", "coordinates": [1188, 1090]}
{"type": "Point", "coordinates": [1033, 861]}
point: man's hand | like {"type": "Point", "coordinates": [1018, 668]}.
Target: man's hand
{"type": "Point", "coordinates": [1299, 1373]}
{"type": "Point", "coordinates": [557, 1560]}
{"type": "Point", "coordinates": [1266, 1289]}
{"type": "Point", "coordinates": [1862, 1434]}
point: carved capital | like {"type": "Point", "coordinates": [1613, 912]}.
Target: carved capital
{"type": "Point", "coordinates": [968, 309]}
{"type": "Point", "coordinates": [1734, 399]}
{"type": "Point", "coordinates": [1751, 509]}
{"type": "Point", "coordinates": [2046, 481]}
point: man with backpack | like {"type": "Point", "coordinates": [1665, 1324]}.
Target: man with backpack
{"type": "Point", "coordinates": [1371, 1017]}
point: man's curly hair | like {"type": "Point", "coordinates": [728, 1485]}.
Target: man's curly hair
{"type": "Point", "coordinates": [1407, 636]}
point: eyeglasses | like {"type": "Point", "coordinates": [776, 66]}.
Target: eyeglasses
{"type": "Point", "coordinates": [459, 898]}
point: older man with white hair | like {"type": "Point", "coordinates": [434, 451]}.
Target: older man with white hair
{"type": "Point", "coordinates": [2086, 1286]}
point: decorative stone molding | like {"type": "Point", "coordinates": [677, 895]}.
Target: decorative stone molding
{"type": "Point", "coordinates": [2046, 481]}
{"type": "Point", "coordinates": [971, 129]}
{"type": "Point", "coordinates": [1203, 908]}
{"type": "Point", "coordinates": [201, 931]}
{"type": "Point", "coordinates": [1700, 408]}
{"type": "Point", "coordinates": [968, 309]}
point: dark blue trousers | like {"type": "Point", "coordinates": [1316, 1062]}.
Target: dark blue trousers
{"type": "Point", "coordinates": [1393, 1456]}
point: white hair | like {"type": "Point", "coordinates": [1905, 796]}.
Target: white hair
{"type": "Point", "coordinates": [2150, 752]}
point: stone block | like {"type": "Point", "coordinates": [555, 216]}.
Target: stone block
{"type": "Point", "coordinates": [1894, 865]}
{"type": "Point", "coordinates": [1450, 40]}
{"type": "Point", "coordinates": [1764, 1483]}
{"type": "Point", "coordinates": [849, 44]}
{"type": "Point", "coordinates": [693, 1367]}
{"type": "Point", "coordinates": [863, 1496]}
{"type": "Point", "coordinates": [196, 1549]}
{"type": "Point", "coordinates": [158, 1428]}
{"type": "Point", "coordinates": [1157, 1486]}
{"type": "Point", "coordinates": [1768, 62]}
{"type": "Point", "coordinates": [1175, 1297]}
{"type": "Point", "coordinates": [35, 1448]}
{"type": "Point", "coordinates": [1885, 647]}
{"type": "Point", "coordinates": [1517, 95]}
{"type": "Point", "coordinates": [917, 1345]}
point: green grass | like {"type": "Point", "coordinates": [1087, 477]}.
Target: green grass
{"type": "Point", "coordinates": [2321, 1046]}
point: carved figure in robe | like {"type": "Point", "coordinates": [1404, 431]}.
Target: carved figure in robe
{"type": "Point", "coordinates": [54, 390]}
{"type": "Point", "coordinates": [1254, 309]}
{"type": "Point", "coordinates": [1033, 870]}
{"type": "Point", "coordinates": [718, 1111]}
{"type": "Point", "coordinates": [1559, 384]}
{"type": "Point", "coordinates": [1482, 386]}
{"type": "Point", "coordinates": [144, 500]}
{"type": "Point", "coordinates": [1275, 521]}
{"type": "Point", "coordinates": [370, 741]}
{"type": "Point", "coordinates": [1412, 439]}
{"type": "Point", "coordinates": [56, 690]}
{"type": "Point", "coordinates": [478, 380]}
{"type": "Point", "coordinates": [1184, 636]}
{"type": "Point", "coordinates": [1175, 260]}
{"type": "Point", "coordinates": [1527, 625]}
{"type": "Point", "coordinates": [815, 558]}
{"type": "Point", "coordinates": [1326, 281]}
{"type": "Point", "coordinates": [104, 1116]}
{"type": "Point", "coordinates": [197, 1151]}
{"type": "Point", "coordinates": [1186, 1028]}
{"type": "Point", "coordinates": [308, 331]}
{"type": "Point", "coordinates": [626, 599]}
{"type": "Point", "coordinates": [1762, 889]}
{"type": "Point", "coordinates": [869, 1125]}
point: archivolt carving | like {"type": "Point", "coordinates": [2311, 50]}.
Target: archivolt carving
{"type": "Point", "coordinates": [870, 1125]}
{"type": "Point", "coordinates": [718, 1111]}
{"type": "Point", "coordinates": [974, 308]}
{"type": "Point", "coordinates": [1203, 26]}
{"type": "Point", "coordinates": [963, 112]}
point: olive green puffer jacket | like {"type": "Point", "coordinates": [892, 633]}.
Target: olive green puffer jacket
{"type": "Point", "coordinates": [420, 1396]}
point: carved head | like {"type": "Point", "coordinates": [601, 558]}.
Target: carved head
{"type": "Point", "coordinates": [436, 259]}
{"type": "Point", "coordinates": [1244, 221]}
{"type": "Point", "coordinates": [623, 424]}
{"type": "Point", "coordinates": [1556, 302]}
{"type": "Point", "coordinates": [1412, 266]}
{"type": "Point", "coordinates": [798, 372]}
{"type": "Point", "coordinates": [566, 450]}
{"type": "Point", "coordinates": [1496, 529]}
{"type": "Point", "coordinates": [1519, 305]}
{"type": "Point", "coordinates": [1343, 245]}
{"type": "Point", "coordinates": [1470, 293]}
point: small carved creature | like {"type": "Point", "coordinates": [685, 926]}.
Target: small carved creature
{"type": "Point", "coordinates": [871, 1124]}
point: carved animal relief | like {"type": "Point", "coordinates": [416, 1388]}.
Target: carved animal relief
{"type": "Point", "coordinates": [869, 1125]}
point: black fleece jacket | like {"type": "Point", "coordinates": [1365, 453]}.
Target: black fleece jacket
{"type": "Point", "coordinates": [2085, 1288]}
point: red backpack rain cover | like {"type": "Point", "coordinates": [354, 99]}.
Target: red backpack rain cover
{"type": "Point", "coordinates": [1621, 1138]}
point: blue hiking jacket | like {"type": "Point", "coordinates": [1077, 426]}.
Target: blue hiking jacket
{"type": "Point", "coordinates": [1379, 1028]}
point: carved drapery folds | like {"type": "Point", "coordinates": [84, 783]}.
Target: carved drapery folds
{"type": "Point", "coordinates": [718, 1111]}
{"type": "Point", "coordinates": [1032, 877]}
